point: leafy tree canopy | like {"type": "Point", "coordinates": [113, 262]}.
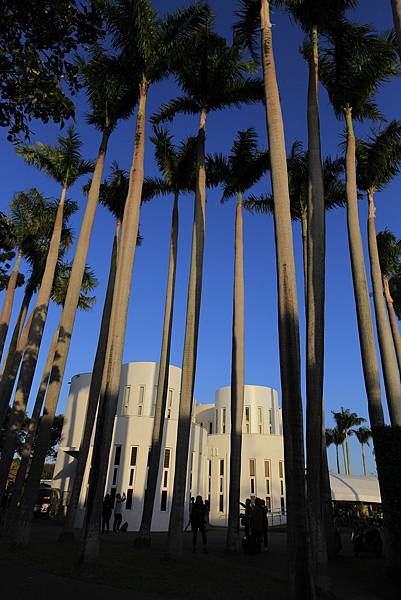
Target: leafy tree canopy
{"type": "Point", "coordinates": [37, 42]}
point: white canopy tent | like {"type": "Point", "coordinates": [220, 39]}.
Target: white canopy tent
{"type": "Point", "coordinates": [350, 488]}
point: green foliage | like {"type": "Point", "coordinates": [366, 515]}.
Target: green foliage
{"type": "Point", "coordinates": [346, 420]}
{"type": "Point", "coordinates": [389, 248]}
{"type": "Point", "coordinates": [150, 45]}
{"type": "Point", "coordinates": [355, 65]}
{"type": "Point", "coordinates": [176, 163]}
{"type": "Point", "coordinates": [7, 245]}
{"type": "Point", "coordinates": [379, 158]}
{"type": "Point", "coordinates": [37, 43]}
{"type": "Point", "coordinates": [298, 180]}
{"type": "Point", "coordinates": [62, 162]}
{"type": "Point", "coordinates": [323, 14]}
{"type": "Point", "coordinates": [363, 435]}
{"type": "Point", "coordinates": [61, 281]}
{"type": "Point", "coordinates": [111, 88]}
{"type": "Point", "coordinates": [334, 436]}
{"type": "Point", "coordinates": [114, 190]}
{"type": "Point", "coordinates": [244, 166]}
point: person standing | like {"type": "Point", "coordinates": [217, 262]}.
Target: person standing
{"type": "Point", "coordinates": [247, 515]}
{"type": "Point", "coordinates": [118, 511]}
{"type": "Point", "coordinates": [257, 522]}
{"type": "Point", "coordinates": [106, 513]}
{"type": "Point", "coordinates": [265, 525]}
{"type": "Point", "coordinates": [198, 520]}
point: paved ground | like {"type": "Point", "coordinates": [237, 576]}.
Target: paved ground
{"type": "Point", "coordinates": [47, 571]}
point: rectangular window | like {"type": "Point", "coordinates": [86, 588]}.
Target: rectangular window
{"type": "Point", "coordinates": [128, 502]}
{"type": "Point", "coordinates": [252, 467]}
{"type": "Point", "coordinates": [268, 484]}
{"type": "Point", "coordinates": [221, 486]}
{"type": "Point", "coordinates": [169, 403]}
{"type": "Point", "coordinates": [282, 505]}
{"type": "Point", "coordinates": [267, 468]}
{"type": "Point", "coordinates": [282, 487]}
{"type": "Point", "coordinates": [268, 503]}
{"type": "Point", "coordinates": [260, 420]}
{"type": "Point", "coordinates": [131, 478]}
{"type": "Point", "coordinates": [134, 453]}
{"type": "Point", "coordinates": [280, 469]}
{"type": "Point", "coordinates": [154, 401]}
{"type": "Point", "coordinates": [115, 474]}
{"type": "Point", "coordinates": [165, 479]}
{"type": "Point", "coordinates": [210, 428]}
{"type": "Point", "coordinates": [252, 485]}
{"type": "Point", "coordinates": [247, 419]}
{"type": "Point", "coordinates": [117, 455]}
{"type": "Point", "coordinates": [141, 399]}
{"type": "Point", "coordinates": [127, 393]}
{"type": "Point", "coordinates": [163, 502]}
{"type": "Point", "coordinates": [166, 458]}
{"type": "Point", "coordinates": [221, 468]}
{"type": "Point", "coordinates": [223, 421]}
{"type": "Point", "coordinates": [221, 503]}
{"type": "Point", "coordinates": [209, 479]}
{"type": "Point", "coordinates": [113, 492]}
{"type": "Point", "coordinates": [270, 421]}
{"type": "Point", "coordinates": [217, 421]}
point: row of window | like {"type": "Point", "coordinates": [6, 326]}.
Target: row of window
{"type": "Point", "coordinates": [221, 421]}
{"type": "Point", "coordinates": [127, 399]}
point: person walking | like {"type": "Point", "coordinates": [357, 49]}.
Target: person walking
{"type": "Point", "coordinates": [118, 511]}
{"type": "Point", "coordinates": [265, 524]}
{"type": "Point", "coordinates": [256, 522]}
{"type": "Point", "coordinates": [106, 513]}
{"type": "Point", "coordinates": [198, 520]}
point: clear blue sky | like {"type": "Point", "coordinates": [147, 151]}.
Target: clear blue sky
{"type": "Point", "coordinates": [343, 373]}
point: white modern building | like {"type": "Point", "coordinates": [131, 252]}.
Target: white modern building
{"type": "Point", "coordinates": [262, 470]}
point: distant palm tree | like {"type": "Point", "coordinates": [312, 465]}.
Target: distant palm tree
{"type": "Point", "coordinates": [212, 78]}
{"type": "Point", "coordinates": [63, 163]}
{"type": "Point", "coordinates": [177, 165]}
{"type": "Point", "coordinates": [363, 435]}
{"type": "Point", "coordinates": [378, 162]}
{"type": "Point", "coordinates": [389, 248]}
{"type": "Point", "coordinates": [237, 172]}
{"type": "Point", "coordinates": [36, 260]}
{"type": "Point", "coordinates": [345, 421]}
{"type": "Point", "coordinates": [86, 302]}
{"type": "Point", "coordinates": [148, 46]}
{"type": "Point", "coordinates": [336, 436]}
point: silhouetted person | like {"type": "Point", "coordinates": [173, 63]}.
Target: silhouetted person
{"type": "Point", "coordinates": [265, 524]}
{"type": "Point", "coordinates": [256, 522]}
{"type": "Point", "coordinates": [247, 515]}
{"type": "Point", "coordinates": [106, 513]}
{"type": "Point", "coordinates": [207, 512]}
{"type": "Point", "coordinates": [118, 511]}
{"type": "Point", "coordinates": [198, 519]}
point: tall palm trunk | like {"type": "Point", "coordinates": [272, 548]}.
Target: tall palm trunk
{"type": "Point", "coordinates": [93, 397]}
{"type": "Point", "coordinates": [316, 249]}
{"type": "Point", "coordinates": [304, 230]}
{"type": "Point", "coordinates": [89, 550]}
{"type": "Point", "coordinates": [237, 384]}
{"type": "Point", "coordinates": [75, 280]}
{"type": "Point", "coordinates": [396, 4]}
{"type": "Point", "coordinates": [13, 357]}
{"type": "Point", "coordinates": [345, 459]}
{"type": "Point", "coordinates": [393, 321]}
{"type": "Point", "coordinates": [390, 370]}
{"type": "Point", "coordinates": [8, 303]}
{"type": "Point", "coordinates": [300, 581]}
{"type": "Point", "coordinates": [162, 386]}
{"type": "Point", "coordinates": [176, 524]}
{"type": "Point", "coordinates": [32, 429]}
{"type": "Point", "coordinates": [348, 454]}
{"type": "Point", "coordinates": [338, 461]}
{"type": "Point", "coordinates": [363, 459]}
{"type": "Point", "coordinates": [381, 435]}
{"type": "Point", "coordinates": [32, 349]}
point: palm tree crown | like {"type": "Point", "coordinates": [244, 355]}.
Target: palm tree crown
{"type": "Point", "coordinates": [62, 162]}
{"type": "Point", "coordinates": [346, 420]}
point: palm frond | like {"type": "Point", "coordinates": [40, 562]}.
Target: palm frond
{"type": "Point", "coordinates": [153, 187]}
{"type": "Point", "coordinates": [263, 204]}
{"type": "Point", "coordinates": [168, 110]}
{"type": "Point", "coordinates": [246, 28]}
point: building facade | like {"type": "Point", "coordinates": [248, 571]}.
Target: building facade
{"type": "Point", "coordinates": [262, 469]}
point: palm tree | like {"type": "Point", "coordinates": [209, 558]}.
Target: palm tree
{"type": "Point", "coordinates": [112, 95]}
{"type": "Point", "coordinates": [254, 15]}
{"type": "Point", "coordinates": [148, 45]}
{"type": "Point", "coordinates": [336, 436]}
{"type": "Point", "coordinates": [112, 195]}
{"type": "Point", "coordinates": [63, 163]}
{"type": "Point", "coordinates": [47, 209]}
{"type": "Point", "coordinates": [86, 302]}
{"type": "Point", "coordinates": [396, 5]}
{"type": "Point", "coordinates": [298, 182]}
{"type": "Point", "coordinates": [345, 421]}
{"type": "Point", "coordinates": [378, 162]}
{"type": "Point", "coordinates": [389, 249]}
{"type": "Point", "coordinates": [355, 66]}
{"type": "Point", "coordinates": [238, 172]}
{"type": "Point", "coordinates": [363, 435]}
{"type": "Point", "coordinates": [212, 78]}
{"type": "Point", "coordinates": [178, 169]}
